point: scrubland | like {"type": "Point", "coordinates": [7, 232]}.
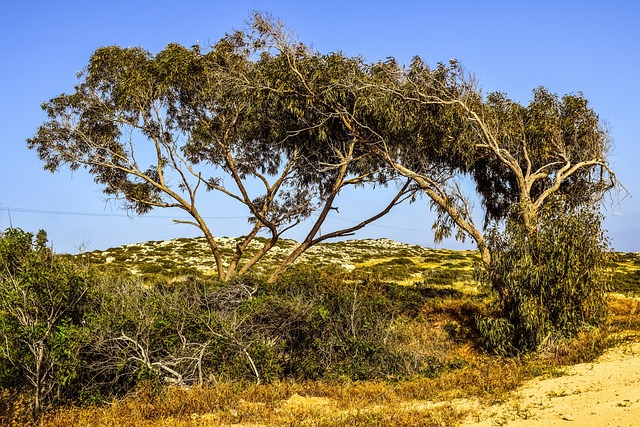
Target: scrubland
{"type": "Point", "coordinates": [358, 333]}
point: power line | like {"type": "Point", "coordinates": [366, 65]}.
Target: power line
{"type": "Point", "coordinates": [104, 214]}
{"type": "Point", "coordinates": [389, 227]}
{"type": "Point", "coordinates": [112, 215]}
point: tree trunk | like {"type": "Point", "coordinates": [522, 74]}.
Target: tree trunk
{"type": "Point", "coordinates": [284, 265]}
{"type": "Point", "coordinates": [39, 356]}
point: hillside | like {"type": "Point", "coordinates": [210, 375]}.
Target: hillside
{"type": "Point", "coordinates": [382, 259]}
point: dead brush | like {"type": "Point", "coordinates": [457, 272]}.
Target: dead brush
{"type": "Point", "coordinates": [586, 346]}
{"type": "Point", "coordinates": [624, 312]}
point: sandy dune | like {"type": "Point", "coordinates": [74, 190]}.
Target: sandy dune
{"type": "Point", "coordinates": [604, 393]}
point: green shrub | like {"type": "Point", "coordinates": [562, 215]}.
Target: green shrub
{"type": "Point", "coordinates": [626, 282]}
{"type": "Point", "coordinates": [42, 300]}
{"type": "Point", "coordinates": [312, 324]}
{"type": "Point", "coordinates": [442, 276]}
{"type": "Point", "coordinates": [150, 268]}
{"type": "Point", "coordinates": [497, 335]}
{"type": "Point", "coordinates": [550, 284]}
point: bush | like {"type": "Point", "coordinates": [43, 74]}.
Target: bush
{"type": "Point", "coordinates": [550, 284]}
{"type": "Point", "coordinates": [125, 332]}
{"type": "Point", "coordinates": [497, 334]}
{"type": "Point", "coordinates": [355, 330]}
{"type": "Point", "coordinates": [42, 300]}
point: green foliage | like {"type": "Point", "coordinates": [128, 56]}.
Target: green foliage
{"type": "Point", "coordinates": [626, 273]}
{"type": "Point", "coordinates": [497, 335]}
{"type": "Point", "coordinates": [41, 312]}
{"type": "Point", "coordinates": [548, 134]}
{"type": "Point", "coordinates": [390, 270]}
{"type": "Point", "coordinates": [550, 284]}
{"type": "Point", "coordinates": [129, 333]}
{"type": "Point", "coordinates": [442, 276]}
{"type": "Point", "coordinates": [305, 326]}
{"type": "Point", "coordinates": [354, 329]}
{"type": "Point", "coordinates": [626, 282]}
{"type": "Point", "coordinates": [141, 332]}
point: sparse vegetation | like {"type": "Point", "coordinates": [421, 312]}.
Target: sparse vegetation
{"type": "Point", "coordinates": [379, 258]}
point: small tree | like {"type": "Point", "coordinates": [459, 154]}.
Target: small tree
{"type": "Point", "coordinates": [40, 316]}
{"type": "Point", "coordinates": [552, 283]}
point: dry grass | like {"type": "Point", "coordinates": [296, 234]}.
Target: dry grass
{"type": "Point", "coordinates": [411, 403]}
{"type": "Point", "coordinates": [625, 312]}
{"type": "Point", "coordinates": [420, 401]}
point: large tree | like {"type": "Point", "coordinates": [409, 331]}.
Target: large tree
{"type": "Point", "coordinates": [538, 169]}
{"type": "Point", "coordinates": [434, 126]}
{"type": "Point", "coordinates": [262, 109]}
{"type": "Point", "coordinates": [541, 173]}
{"type": "Point", "coordinates": [239, 120]}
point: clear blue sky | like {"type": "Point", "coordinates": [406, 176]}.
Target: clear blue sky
{"type": "Point", "coordinates": [511, 46]}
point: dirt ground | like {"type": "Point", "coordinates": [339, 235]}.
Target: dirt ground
{"type": "Point", "coordinates": [603, 393]}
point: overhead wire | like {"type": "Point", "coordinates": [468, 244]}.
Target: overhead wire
{"type": "Point", "coordinates": [103, 214]}
{"type": "Point", "coordinates": [115, 215]}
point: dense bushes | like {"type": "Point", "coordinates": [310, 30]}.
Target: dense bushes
{"type": "Point", "coordinates": [196, 331]}
{"type": "Point", "coordinates": [102, 334]}
{"type": "Point", "coordinates": [72, 335]}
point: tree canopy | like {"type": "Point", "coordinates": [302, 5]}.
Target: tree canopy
{"type": "Point", "coordinates": [438, 128]}
{"type": "Point", "coordinates": [244, 119]}
{"type": "Point", "coordinates": [259, 109]}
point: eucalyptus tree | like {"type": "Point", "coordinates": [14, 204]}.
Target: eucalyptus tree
{"type": "Point", "coordinates": [236, 120]}
{"type": "Point", "coordinates": [261, 109]}
{"type": "Point", "coordinates": [541, 173]}
{"type": "Point", "coordinates": [440, 128]}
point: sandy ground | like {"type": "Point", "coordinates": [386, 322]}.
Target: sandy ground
{"type": "Point", "coordinates": [604, 393]}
